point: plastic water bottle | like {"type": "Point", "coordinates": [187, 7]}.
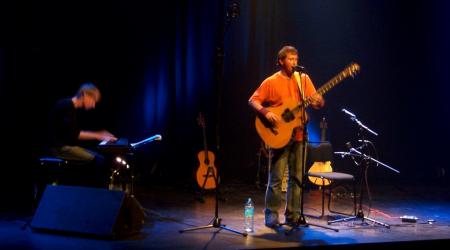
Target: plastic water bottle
{"type": "Point", "coordinates": [249, 214]}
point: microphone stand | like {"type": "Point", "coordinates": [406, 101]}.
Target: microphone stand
{"type": "Point", "coordinates": [216, 222]}
{"type": "Point", "coordinates": [364, 168]}
{"type": "Point", "coordinates": [301, 222]}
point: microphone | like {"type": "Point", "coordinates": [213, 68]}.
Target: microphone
{"type": "Point", "coordinates": [349, 113]}
{"type": "Point", "coordinates": [299, 68]}
{"type": "Point", "coordinates": [233, 10]}
{"type": "Point", "coordinates": [351, 149]}
{"type": "Point", "coordinates": [349, 146]}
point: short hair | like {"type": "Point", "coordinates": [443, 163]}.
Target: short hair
{"type": "Point", "coordinates": [89, 89]}
{"type": "Point", "coordinates": [284, 52]}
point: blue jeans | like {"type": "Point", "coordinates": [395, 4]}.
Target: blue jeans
{"type": "Point", "coordinates": [290, 156]}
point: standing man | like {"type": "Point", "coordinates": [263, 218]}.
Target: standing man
{"type": "Point", "coordinates": [283, 85]}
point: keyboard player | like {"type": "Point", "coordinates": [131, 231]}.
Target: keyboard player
{"type": "Point", "coordinates": [65, 133]}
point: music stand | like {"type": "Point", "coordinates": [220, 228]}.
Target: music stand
{"type": "Point", "coordinates": [364, 168]}
{"type": "Point", "coordinates": [127, 149]}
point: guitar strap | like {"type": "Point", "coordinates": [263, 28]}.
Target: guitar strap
{"type": "Point", "coordinates": [302, 96]}
{"type": "Point", "coordinates": [299, 84]}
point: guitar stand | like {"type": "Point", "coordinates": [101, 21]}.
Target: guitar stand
{"type": "Point", "coordinates": [209, 174]}
{"type": "Point", "coordinates": [265, 152]}
{"type": "Point", "coordinates": [216, 222]}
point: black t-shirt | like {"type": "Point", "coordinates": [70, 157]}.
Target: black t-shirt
{"type": "Point", "coordinates": [63, 124]}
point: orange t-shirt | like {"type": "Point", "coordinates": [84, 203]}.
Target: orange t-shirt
{"type": "Point", "coordinates": [278, 87]}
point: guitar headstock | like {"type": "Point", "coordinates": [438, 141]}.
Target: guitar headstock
{"type": "Point", "coordinates": [351, 70]}
{"type": "Point", "coordinates": [201, 120]}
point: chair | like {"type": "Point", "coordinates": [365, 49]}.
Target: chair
{"type": "Point", "coordinates": [56, 171]}
{"type": "Point", "coordinates": [52, 168]}
{"type": "Point", "coordinates": [322, 153]}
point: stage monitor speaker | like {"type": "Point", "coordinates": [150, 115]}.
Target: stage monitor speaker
{"type": "Point", "coordinates": [88, 211]}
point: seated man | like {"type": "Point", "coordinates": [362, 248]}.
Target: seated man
{"type": "Point", "coordinates": [65, 133]}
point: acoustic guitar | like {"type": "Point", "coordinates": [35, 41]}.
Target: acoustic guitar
{"type": "Point", "coordinates": [206, 172]}
{"type": "Point", "coordinates": [320, 166]}
{"type": "Point", "coordinates": [279, 135]}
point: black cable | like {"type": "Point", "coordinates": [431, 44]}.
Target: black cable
{"type": "Point", "coordinates": [369, 195]}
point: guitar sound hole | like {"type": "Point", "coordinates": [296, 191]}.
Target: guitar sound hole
{"type": "Point", "coordinates": [287, 115]}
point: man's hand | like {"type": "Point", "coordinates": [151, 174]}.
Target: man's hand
{"type": "Point", "coordinates": [272, 117]}
{"type": "Point", "coordinates": [106, 136]}
{"type": "Point", "coordinates": [317, 101]}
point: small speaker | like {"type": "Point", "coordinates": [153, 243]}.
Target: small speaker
{"type": "Point", "coordinates": [88, 211]}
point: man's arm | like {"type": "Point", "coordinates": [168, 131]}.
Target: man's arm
{"type": "Point", "coordinates": [96, 135]}
{"type": "Point", "coordinates": [256, 105]}
{"type": "Point", "coordinates": [317, 101]}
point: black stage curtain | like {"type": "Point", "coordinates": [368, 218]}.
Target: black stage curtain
{"type": "Point", "coordinates": [159, 64]}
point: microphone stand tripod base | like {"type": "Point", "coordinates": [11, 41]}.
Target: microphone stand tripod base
{"type": "Point", "coordinates": [361, 216]}
{"type": "Point", "coordinates": [303, 223]}
{"type": "Point", "coordinates": [215, 223]}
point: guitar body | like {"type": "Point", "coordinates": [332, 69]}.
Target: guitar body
{"type": "Point", "coordinates": [206, 171]}
{"type": "Point", "coordinates": [279, 136]}
{"type": "Point", "coordinates": [290, 113]}
{"type": "Point", "coordinates": [320, 167]}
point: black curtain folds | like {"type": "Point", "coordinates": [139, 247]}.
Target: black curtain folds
{"type": "Point", "coordinates": [157, 66]}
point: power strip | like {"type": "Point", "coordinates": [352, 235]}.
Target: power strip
{"type": "Point", "coordinates": [409, 218]}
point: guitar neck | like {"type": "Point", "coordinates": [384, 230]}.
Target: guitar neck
{"type": "Point", "coordinates": [322, 90]}
{"type": "Point", "coordinates": [348, 71]}
{"type": "Point", "coordinates": [328, 86]}
{"type": "Point", "coordinates": [205, 146]}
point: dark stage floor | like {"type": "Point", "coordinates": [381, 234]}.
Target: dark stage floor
{"type": "Point", "coordinates": [171, 209]}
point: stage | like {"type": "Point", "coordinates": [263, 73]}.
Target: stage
{"type": "Point", "coordinates": [170, 209]}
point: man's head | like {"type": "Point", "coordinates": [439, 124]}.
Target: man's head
{"type": "Point", "coordinates": [88, 95]}
{"type": "Point", "coordinates": [287, 58]}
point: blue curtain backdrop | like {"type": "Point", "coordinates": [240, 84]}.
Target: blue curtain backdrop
{"type": "Point", "coordinates": [158, 66]}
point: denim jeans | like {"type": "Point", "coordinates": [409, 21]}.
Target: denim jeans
{"type": "Point", "coordinates": [290, 156]}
